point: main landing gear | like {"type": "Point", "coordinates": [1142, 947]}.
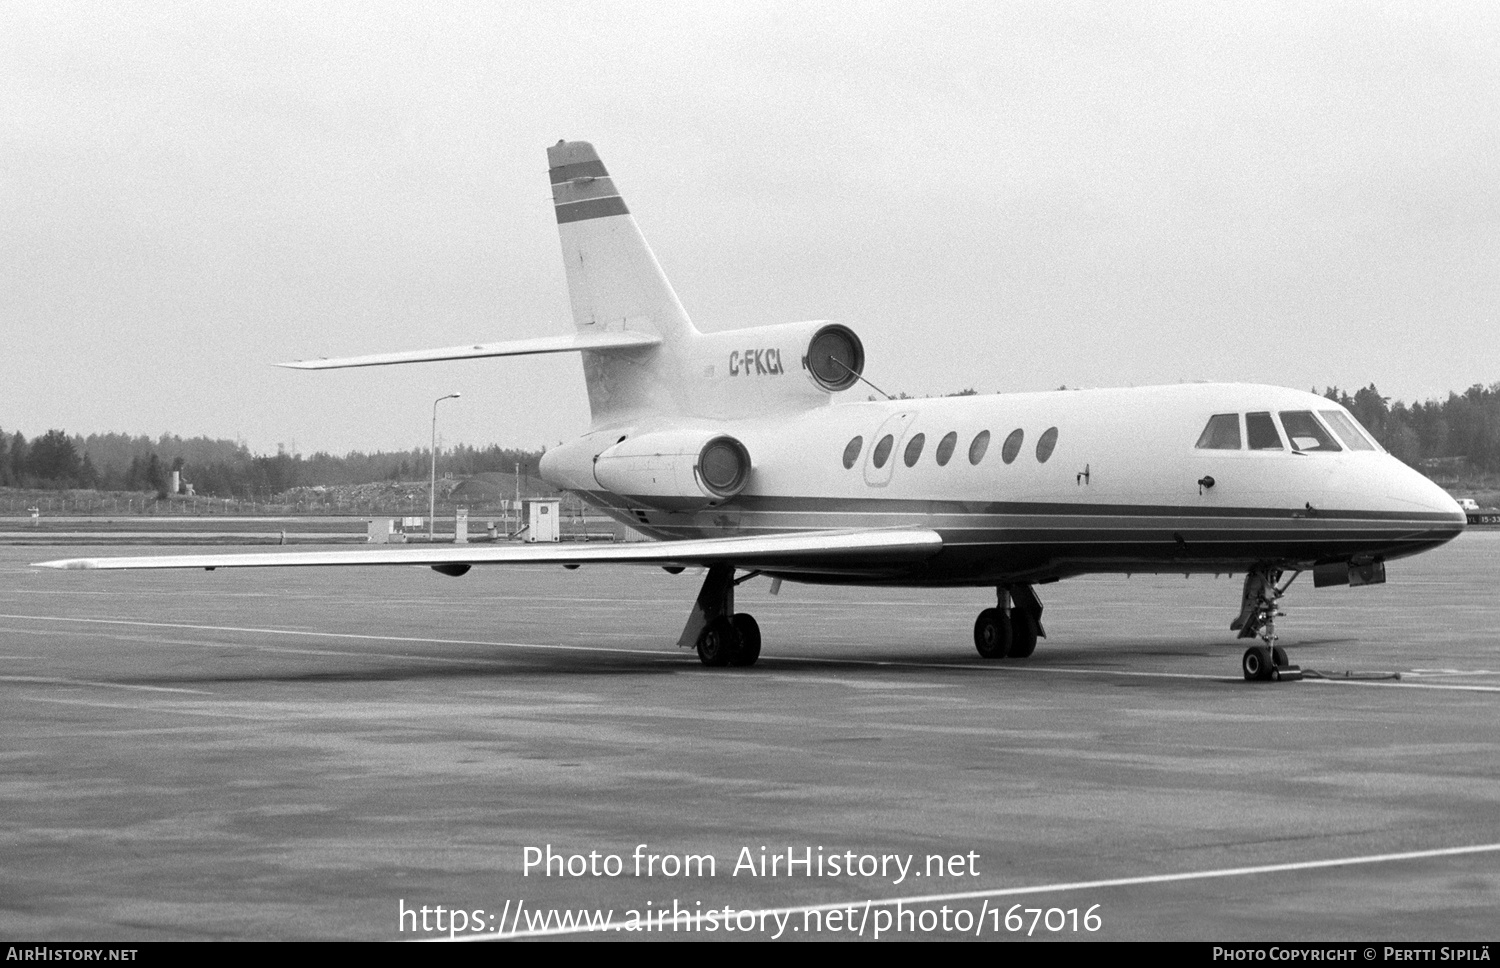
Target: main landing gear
{"type": "Point", "coordinates": [1010, 630]}
{"type": "Point", "coordinates": [1257, 619]}
{"type": "Point", "coordinates": [722, 637]}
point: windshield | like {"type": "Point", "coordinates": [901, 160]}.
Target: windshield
{"type": "Point", "coordinates": [1305, 431]}
{"type": "Point", "coordinates": [1347, 429]}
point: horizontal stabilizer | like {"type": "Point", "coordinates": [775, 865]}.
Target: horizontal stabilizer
{"type": "Point", "coordinates": [854, 552]}
{"type": "Point", "coordinates": [571, 343]}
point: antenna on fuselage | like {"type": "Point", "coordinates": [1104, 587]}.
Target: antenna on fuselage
{"type": "Point", "coordinates": [857, 376]}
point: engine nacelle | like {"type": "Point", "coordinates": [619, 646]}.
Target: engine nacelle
{"type": "Point", "coordinates": [768, 369]}
{"type": "Point", "coordinates": [675, 470]}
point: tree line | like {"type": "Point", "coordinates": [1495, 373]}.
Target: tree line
{"type": "Point", "coordinates": [1466, 425]}
{"type": "Point", "coordinates": [222, 468]}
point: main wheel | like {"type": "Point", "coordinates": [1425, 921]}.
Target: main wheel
{"type": "Point", "coordinates": [1256, 664]}
{"type": "Point", "coordinates": [718, 642]}
{"type": "Point", "coordinates": [1022, 634]}
{"type": "Point", "coordinates": [992, 633]}
{"type": "Point", "coordinates": [748, 631]}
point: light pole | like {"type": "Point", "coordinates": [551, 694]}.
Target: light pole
{"type": "Point", "coordinates": [432, 488]}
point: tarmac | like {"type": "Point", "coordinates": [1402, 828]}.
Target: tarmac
{"type": "Point", "coordinates": [322, 754]}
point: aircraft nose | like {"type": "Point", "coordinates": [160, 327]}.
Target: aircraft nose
{"type": "Point", "coordinates": [1416, 489]}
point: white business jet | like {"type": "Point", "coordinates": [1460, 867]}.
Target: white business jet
{"type": "Point", "coordinates": [725, 446]}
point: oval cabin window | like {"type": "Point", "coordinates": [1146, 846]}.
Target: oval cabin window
{"type": "Point", "coordinates": [1012, 445]}
{"type": "Point", "coordinates": [914, 449]}
{"type": "Point", "coordinates": [851, 453]}
{"type": "Point", "coordinates": [883, 450]}
{"type": "Point", "coordinates": [1045, 445]}
{"type": "Point", "coordinates": [979, 446]}
{"type": "Point", "coordinates": [945, 447]}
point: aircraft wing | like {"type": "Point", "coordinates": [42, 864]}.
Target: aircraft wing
{"type": "Point", "coordinates": [852, 552]}
{"type": "Point", "coordinates": [571, 343]}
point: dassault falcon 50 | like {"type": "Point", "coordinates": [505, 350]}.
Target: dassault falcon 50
{"type": "Point", "coordinates": [728, 448]}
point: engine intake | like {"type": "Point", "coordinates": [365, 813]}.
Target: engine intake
{"type": "Point", "coordinates": [724, 466]}
{"type": "Point", "coordinates": [835, 357]}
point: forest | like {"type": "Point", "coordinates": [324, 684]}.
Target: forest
{"type": "Point", "coordinates": [223, 468]}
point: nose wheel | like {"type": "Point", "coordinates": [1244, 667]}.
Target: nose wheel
{"type": "Point", "coordinates": [1266, 662]}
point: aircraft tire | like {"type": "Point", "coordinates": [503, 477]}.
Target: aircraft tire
{"type": "Point", "coordinates": [1278, 657]}
{"type": "Point", "coordinates": [1022, 634]}
{"type": "Point", "coordinates": [992, 633]}
{"type": "Point", "coordinates": [748, 631]}
{"type": "Point", "coordinates": [717, 643]}
{"type": "Point", "coordinates": [1256, 664]}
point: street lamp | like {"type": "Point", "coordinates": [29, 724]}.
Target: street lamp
{"type": "Point", "coordinates": [432, 487]}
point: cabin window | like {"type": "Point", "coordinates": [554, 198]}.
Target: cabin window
{"type": "Point", "coordinates": [945, 447]}
{"type": "Point", "coordinates": [883, 450]}
{"type": "Point", "coordinates": [1222, 433]}
{"type": "Point", "coordinates": [1012, 445]}
{"type": "Point", "coordinates": [979, 446]}
{"type": "Point", "coordinates": [851, 453]}
{"type": "Point", "coordinates": [1262, 432]}
{"type": "Point", "coordinates": [1045, 445]}
{"type": "Point", "coordinates": [1347, 430]}
{"type": "Point", "coordinates": [1305, 431]}
{"type": "Point", "coordinates": [914, 449]}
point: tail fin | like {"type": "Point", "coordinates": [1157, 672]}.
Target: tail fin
{"type": "Point", "coordinates": [614, 281]}
{"type": "Point", "coordinates": [616, 286]}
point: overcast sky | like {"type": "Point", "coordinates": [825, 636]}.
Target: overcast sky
{"type": "Point", "coordinates": [1008, 196]}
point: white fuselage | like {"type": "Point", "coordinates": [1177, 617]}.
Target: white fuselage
{"type": "Point", "coordinates": [1120, 490]}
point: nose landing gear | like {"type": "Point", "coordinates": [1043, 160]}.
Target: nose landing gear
{"type": "Point", "coordinates": [1266, 662]}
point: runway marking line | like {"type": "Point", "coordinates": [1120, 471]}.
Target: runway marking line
{"type": "Point", "coordinates": [929, 899]}
{"type": "Point", "coordinates": [894, 663]}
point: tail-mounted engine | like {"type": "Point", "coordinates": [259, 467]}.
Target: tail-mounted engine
{"type": "Point", "coordinates": [835, 357]}
{"type": "Point", "coordinates": [675, 470]}
{"type": "Point", "coordinates": [769, 369]}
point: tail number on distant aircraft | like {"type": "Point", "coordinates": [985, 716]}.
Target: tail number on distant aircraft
{"type": "Point", "coordinates": [759, 362]}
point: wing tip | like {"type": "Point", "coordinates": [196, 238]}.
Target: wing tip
{"type": "Point", "coordinates": [67, 564]}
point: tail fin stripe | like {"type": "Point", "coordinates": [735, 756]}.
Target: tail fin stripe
{"type": "Point", "coordinates": [591, 208]}
{"type": "Point", "coordinates": [581, 169]}
{"type": "Point", "coordinates": [581, 188]}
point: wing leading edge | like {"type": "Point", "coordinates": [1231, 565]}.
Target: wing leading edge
{"type": "Point", "coordinates": [851, 552]}
{"type": "Point", "coordinates": [571, 343]}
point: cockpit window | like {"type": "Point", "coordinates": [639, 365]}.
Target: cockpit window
{"type": "Point", "coordinates": [1346, 428]}
{"type": "Point", "coordinates": [1222, 433]}
{"type": "Point", "coordinates": [1305, 431]}
{"type": "Point", "coordinates": [1262, 432]}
